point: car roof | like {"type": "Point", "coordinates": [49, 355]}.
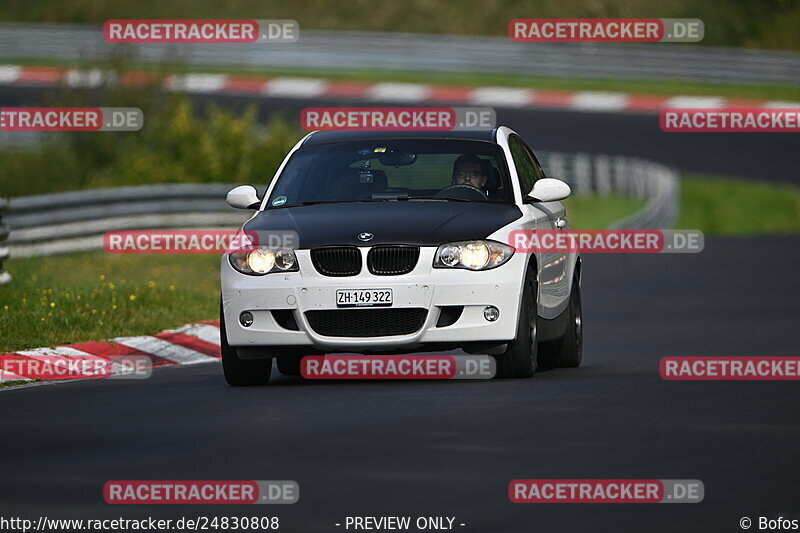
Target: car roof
{"type": "Point", "coordinates": [321, 137]}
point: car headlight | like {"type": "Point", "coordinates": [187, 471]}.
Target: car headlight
{"type": "Point", "coordinates": [260, 261]}
{"type": "Point", "coordinates": [472, 255]}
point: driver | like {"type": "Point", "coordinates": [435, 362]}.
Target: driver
{"type": "Point", "coordinates": [469, 169]}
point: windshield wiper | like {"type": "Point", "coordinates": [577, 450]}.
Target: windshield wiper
{"type": "Point", "coordinates": [393, 199]}
{"type": "Point", "coordinates": [438, 198]}
{"type": "Point", "coordinates": [318, 202]}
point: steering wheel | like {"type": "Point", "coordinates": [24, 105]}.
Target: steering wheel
{"type": "Point", "coordinates": [467, 192]}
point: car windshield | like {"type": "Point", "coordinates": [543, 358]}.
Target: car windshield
{"type": "Point", "coordinates": [394, 170]}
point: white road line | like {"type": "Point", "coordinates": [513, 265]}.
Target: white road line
{"type": "Point", "coordinates": [197, 83]}
{"type": "Point", "coordinates": [398, 92]}
{"type": "Point", "coordinates": [695, 102]}
{"type": "Point", "coordinates": [165, 349]}
{"type": "Point", "coordinates": [204, 332]}
{"type": "Point", "coordinates": [599, 101]}
{"type": "Point", "coordinates": [501, 97]}
{"type": "Point", "coordinates": [9, 73]}
{"type": "Point", "coordinates": [295, 87]}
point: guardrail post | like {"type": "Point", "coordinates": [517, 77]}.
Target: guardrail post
{"type": "Point", "coordinates": [582, 170]}
{"type": "Point", "coordinates": [5, 277]}
{"type": "Point", "coordinates": [602, 178]}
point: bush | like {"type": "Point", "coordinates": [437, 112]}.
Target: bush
{"type": "Point", "coordinates": [178, 144]}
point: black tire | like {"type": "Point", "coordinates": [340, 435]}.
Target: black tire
{"type": "Point", "coordinates": [289, 365]}
{"type": "Point", "coordinates": [567, 351]}
{"type": "Point", "coordinates": [241, 372]}
{"type": "Point", "coordinates": [520, 358]}
{"type": "Point", "coordinates": [571, 350]}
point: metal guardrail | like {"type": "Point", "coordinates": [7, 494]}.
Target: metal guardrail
{"type": "Point", "coordinates": [636, 178]}
{"type": "Point", "coordinates": [345, 50]}
{"type": "Point", "coordinates": [5, 277]}
{"type": "Point", "coordinates": [76, 221]}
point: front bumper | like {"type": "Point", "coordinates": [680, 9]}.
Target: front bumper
{"type": "Point", "coordinates": [425, 287]}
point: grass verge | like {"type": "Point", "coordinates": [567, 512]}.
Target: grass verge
{"type": "Point", "coordinates": [599, 212]}
{"type": "Point", "coordinates": [726, 206]}
{"type": "Point", "coordinates": [94, 296]}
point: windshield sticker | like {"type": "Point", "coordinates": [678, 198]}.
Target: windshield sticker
{"type": "Point", "coordinates": [380, 150]}
{"type": "Point", "coordinates": [280, 200]}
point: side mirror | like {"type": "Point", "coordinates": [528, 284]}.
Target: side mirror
{"type": "Point", "coordinates": [548, 190]}
{"type": "Point", "coordinates": [243, 197]}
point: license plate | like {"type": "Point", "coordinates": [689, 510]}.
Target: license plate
{"type": "Point", "coordinates": [363, 297]}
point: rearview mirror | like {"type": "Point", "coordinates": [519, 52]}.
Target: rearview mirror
{"type": "Point", "coordinates": [394, 158]}
{"type": "Point", "coordinates": [549, 190]}
{"type": "Point", "coordinates": [243, 197]}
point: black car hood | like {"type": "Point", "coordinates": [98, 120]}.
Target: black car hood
{"type": "Point", "coordinates": [424, 223]}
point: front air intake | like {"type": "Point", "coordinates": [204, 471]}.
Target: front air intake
{"type": "Point", "coordinates": [337, 261]}
{"type": "Point", "coordinates": [366, 322]}
{"type": "Point", "coordinates": [392, 260]}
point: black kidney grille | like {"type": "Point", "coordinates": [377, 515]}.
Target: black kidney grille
{"type": "Point", "coordinates": [392, 260]}
{"type": "Point", "coordinates": [337, 260]}
{"type": "Point", "coordinates": [367, 322]}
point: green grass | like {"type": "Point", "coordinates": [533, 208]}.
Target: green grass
{"type": "Point", "coordinates": [749, 23]}
{"type": "Point", "coordinates": [728, 206]}
{"type": "Point", "coordinates": [94, 296]}
{"type": "Point", "coordinates": [473, 79]}
{"type": "Point", "coordinates": [12, 383]}
{"type": "Point", "coordinates": [599, 212]}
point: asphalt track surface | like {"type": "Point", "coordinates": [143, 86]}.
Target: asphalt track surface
{"type": "Point", "coordinates": [451, 448]}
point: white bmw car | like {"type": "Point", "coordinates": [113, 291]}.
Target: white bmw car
{"type": "Point", "coordinates": [398, 242]}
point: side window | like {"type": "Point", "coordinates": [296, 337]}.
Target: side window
{"type": "Point", "coordinates": [527, 169]}
{"type": "Point", "coordinates": [537, 168]}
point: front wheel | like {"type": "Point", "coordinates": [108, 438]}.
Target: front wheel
{"type": "Point", "coordinates": [241, 372]}
{"type": "Point", "coordinates": [568, 350]}
{"type": "Point", "coordinates": [519, 359]}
